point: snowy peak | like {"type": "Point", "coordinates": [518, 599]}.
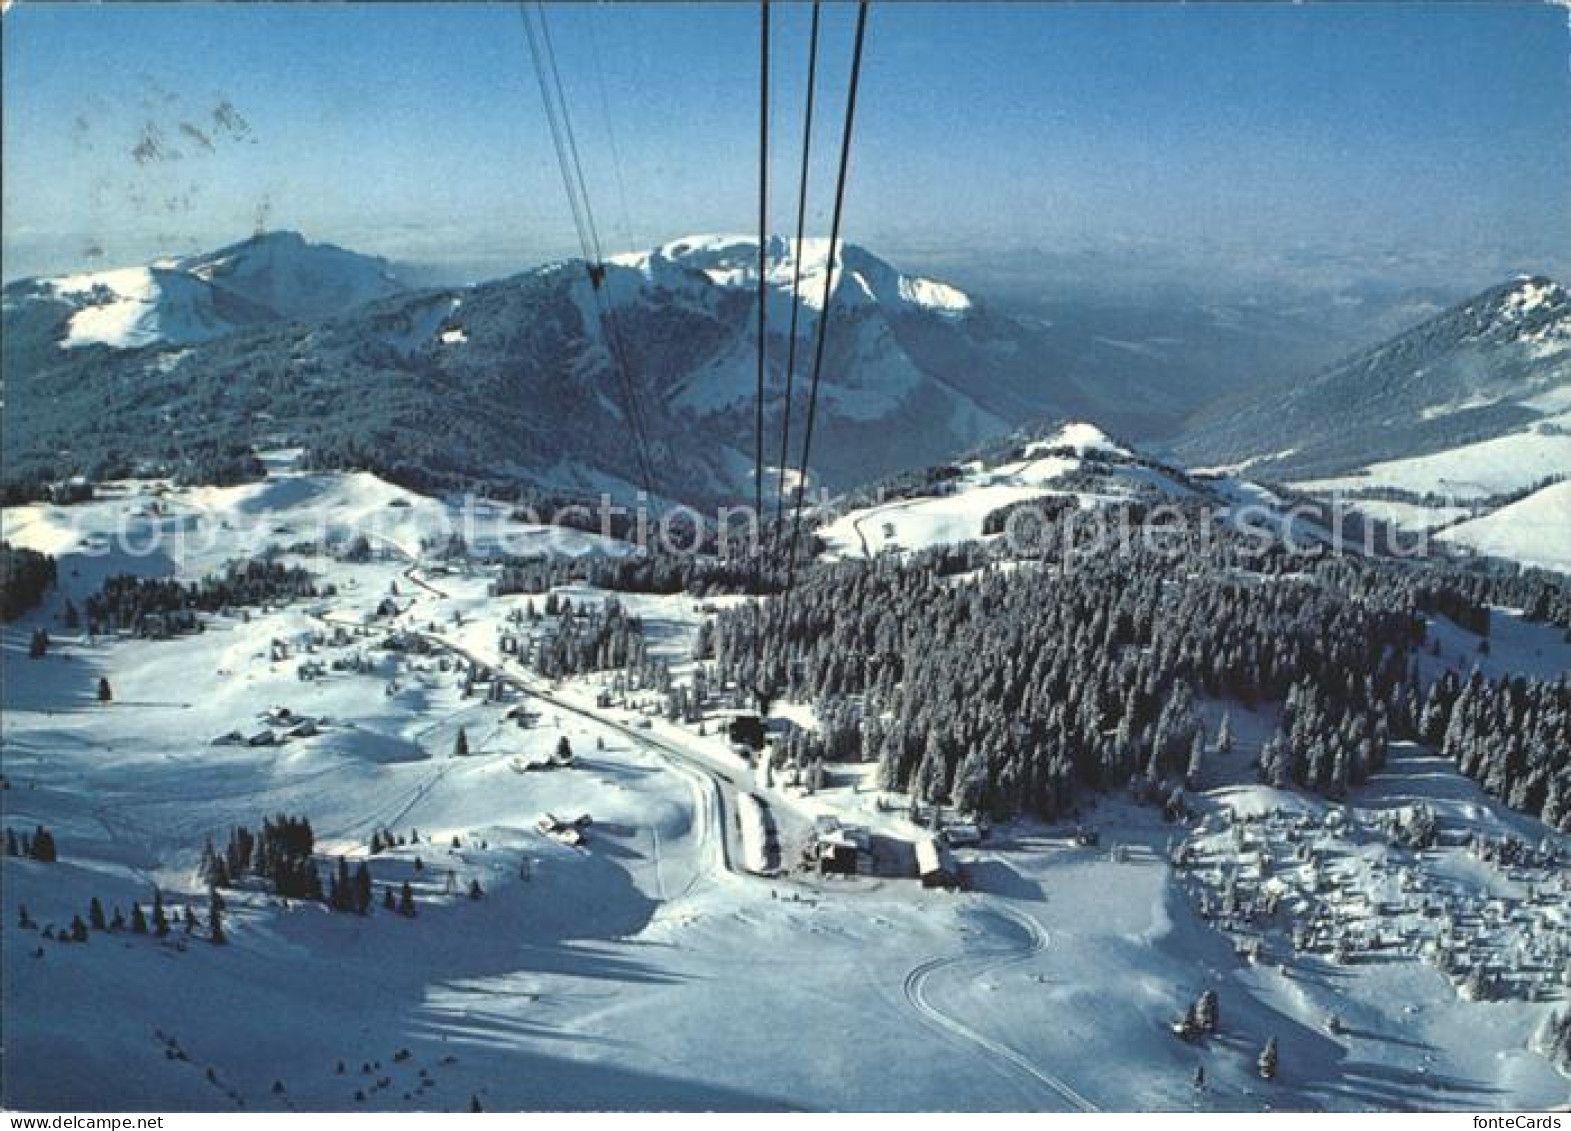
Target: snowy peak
{"type": "Point", "coordinates": [272, 277]}
{"type": "Point", "coordinates": [1081, 438]}
{"type": "Point", "coordinates": [732, 261]}
{"type": "Point", "coordinates": [294, 278]}
{"type": "Point", "coordinates": [1532, 308]}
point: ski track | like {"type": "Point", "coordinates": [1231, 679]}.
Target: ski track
{"type": "Point", "coordinates": [916, 995]}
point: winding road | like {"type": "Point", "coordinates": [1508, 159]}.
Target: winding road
{"type": "Point", "coordinates": [917, 995]}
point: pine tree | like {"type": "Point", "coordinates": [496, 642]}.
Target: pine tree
{"type": "Point", "coordinates": [105, 693]}
{"type": "Point", "coordinates": [215, 921]}
{"type": "Point", "coordinates": [43, 846]}
{"type": "Point", "coordinates": [1208, 1011]}
{"type": "Point", "coordinates": [78, 929]}
{"type": "Point", "coordinates": [475, 891]}
{"type": "Point", "coordinates": [138, 920]}
{"type": "Point", "coordinates": [95, 915]}
{"type": "Point", "coordinates": [388, 901]}
{"type": "Point", "coordinates": [461, 744]}
{"type": "Point", "coordinates": [160, 919]}
{"type": "Point", "coordinates": [362, 889]}
{"type": "Point", "coordinates": [406, 901]}
{"type": "Point", "coordinates": [1266, 1062]}
{"type": "Point", "coordinates": [1197, 750]}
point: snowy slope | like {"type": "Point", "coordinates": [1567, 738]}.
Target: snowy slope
{"type": "Point", "coordinates": [1489, 367]}
{"type": "Point", "coordinates": [636, 972]}
{"type": "Point", "coordinates": [1105, 471]}
{"type": "Point", "coordinates": [1470, 471]}
{"type": "Point", "coordinates": [271, 277]}
{"type": "Point", "coordinates": [1535, 531]}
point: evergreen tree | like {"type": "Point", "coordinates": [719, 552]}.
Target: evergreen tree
{"type": "Point", "coordinates": [215, 921]}
{"type": "Point", "coordinates": [138, 920]}
{"type": "Point", "coordinates": [105, 693]}
{"type": "Point", "coordinates": [461, 744]}
{"type": "Point", "coordinates": [362, 889]}
{"type": "Point", "coordinates": [43, 846]}
{"type": "Point", "coordinates": [1208, 1011]}
{"type": "Point", "coordinates": [95, 915]}
{"type": "Point", "coordinates": [1265, 1063]}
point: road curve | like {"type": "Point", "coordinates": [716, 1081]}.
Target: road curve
{"type": "Point", "coordinates": [713, 819]}
{"type": "Point", "coordinates": [916, 994]}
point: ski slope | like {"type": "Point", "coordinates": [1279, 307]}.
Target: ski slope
{"type": "Point", "coordinates": [638, 971]}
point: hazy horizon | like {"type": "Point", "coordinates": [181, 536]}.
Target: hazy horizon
{"type": "Point", "coordinates": [1214, 147]}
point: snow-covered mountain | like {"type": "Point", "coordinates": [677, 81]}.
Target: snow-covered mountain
{"type": "Point", "coordinates": [514, 380]}
{"type": "Point", "coordinates": [732, 261]}
{"type": "Point", "coordinates": [271, 277]}
{"type": "Point", "coordinates": [1494, 366]}
{"type": "Point", "coordinates": [1460, 427]}
{"type": "Point", "coordinates": [295, 279]}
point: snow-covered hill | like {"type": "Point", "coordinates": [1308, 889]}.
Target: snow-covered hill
{"type": "Point", "coordinates": [1077, 464]}
{"type": "Point", "coordinates": [1535, 531]}
{"type": "Point", "coordinates": [1493, 366]}
{"type": "Point", "coordinates": [271, 277]}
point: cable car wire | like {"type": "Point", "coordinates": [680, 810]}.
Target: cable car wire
{"type": "Point", "coordinates": [573, 181]}
{"type": "Point", "coordinates": [796, 270]}
{"type": "Point", "coordinates": [763, 280]}
{"type": "Point", "coordinates": [829, 280]}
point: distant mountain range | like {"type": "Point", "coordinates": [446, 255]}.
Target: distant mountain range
{"type": "Point", "coordinates": [1495, 365]}
{"type": "Point", "coordinates": [512, 381]}
{"type": "Point", "coordinates": [277, 341]}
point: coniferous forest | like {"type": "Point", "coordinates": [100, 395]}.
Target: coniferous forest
{"type": "Point", "coordinates": [1008, 687]}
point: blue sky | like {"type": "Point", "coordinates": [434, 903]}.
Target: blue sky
{"type": "Point", "coordinates": [1428, 141]}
